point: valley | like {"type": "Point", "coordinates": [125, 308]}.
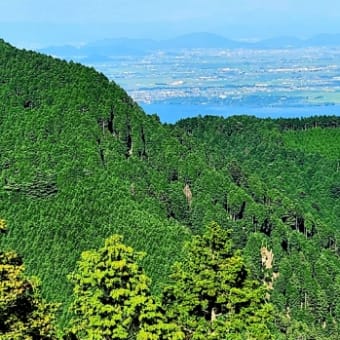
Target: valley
{"type": "Point", "coordinates": [230, 225]}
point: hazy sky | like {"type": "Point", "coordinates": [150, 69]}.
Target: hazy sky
{"type": "Point", "coordinates": [32, 23]}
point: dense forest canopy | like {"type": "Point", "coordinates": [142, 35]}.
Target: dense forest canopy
{"type": "Point", "coordinates": [80, 161]}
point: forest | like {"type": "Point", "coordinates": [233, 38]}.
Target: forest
{"type": "Point", "coordinates": [116, 226]}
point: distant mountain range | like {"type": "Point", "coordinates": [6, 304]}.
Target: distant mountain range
{"type": "Point", "coordinates": [101, 50]}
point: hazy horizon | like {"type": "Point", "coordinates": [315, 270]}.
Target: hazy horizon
{"type": "Point", "coordinates": [37, 23]}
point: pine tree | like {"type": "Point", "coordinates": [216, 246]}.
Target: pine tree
{"type": "Point", "coordinates": [112, 299]}
{"type": "Point", "coordinates": [23, 314]}
{"type": "Point", "coordinates": [212, 296]}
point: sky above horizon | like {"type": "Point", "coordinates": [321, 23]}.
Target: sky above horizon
{"type": "Point", "coordinates": [39, 23]}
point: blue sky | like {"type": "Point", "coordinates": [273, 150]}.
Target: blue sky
{"type": "Point", "coordinates": [37, 23]}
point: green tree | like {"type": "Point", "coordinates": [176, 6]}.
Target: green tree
{"type": "Point", "coordinates": [112, 299]}
{"type": "Point", "coordinates": [23, 314]}
{"type": "Point", "coordinates": [212, 295]}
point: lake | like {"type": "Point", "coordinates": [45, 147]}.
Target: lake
{"type": "Point", "coordinates": [171, 113]}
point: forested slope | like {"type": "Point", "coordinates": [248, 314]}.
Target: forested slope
{"type": "Point", "coordinates": [282, 196]}
{"type": "Point", "coordinates": [80, 161]}
{"type": "Point", "coordinates": [75, 155]}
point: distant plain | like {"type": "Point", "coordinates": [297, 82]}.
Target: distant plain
{"type": "Point", "coordinates": [290, 82]}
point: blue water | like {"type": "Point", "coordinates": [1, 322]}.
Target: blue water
{"type": "Point", "coordinates": [171, 113]}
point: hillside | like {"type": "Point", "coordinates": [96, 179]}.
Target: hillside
{"type": "Point", "coordinates": [75, 168]}
{"type": "Point", "coordinates": [80, 161]}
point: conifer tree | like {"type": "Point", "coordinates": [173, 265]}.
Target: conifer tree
{"type": "Point", "coordinates": [112, 299]}
{"type": "Point", "coordinates": [212, 296]}
{"type": "Point", "coordinates": [23, 314]}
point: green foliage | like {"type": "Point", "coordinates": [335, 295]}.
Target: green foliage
{"type": "Point", "coordinates": [212, 295]}
{"type": "Point", "coordinates": [80, 161]}
{"type": "Point", "coordinates": [23, 313]}
{"type": "Point", "coordinates": [67, 180]}
{"type": "Point", "coordinates": [112, 297]}
{"type": "Point", "coordinates": [287, 193]}
{"type": "Point", "coordinates": [317, 140]}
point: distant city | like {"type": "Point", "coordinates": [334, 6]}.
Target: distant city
{"type": "Point", "coordinates": [294, 77]}
{"type": "Point", "coordinates": [286, 73]}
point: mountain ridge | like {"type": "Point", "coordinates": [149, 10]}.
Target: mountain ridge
{"type": "Point", "coordinates": [128, 46]}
